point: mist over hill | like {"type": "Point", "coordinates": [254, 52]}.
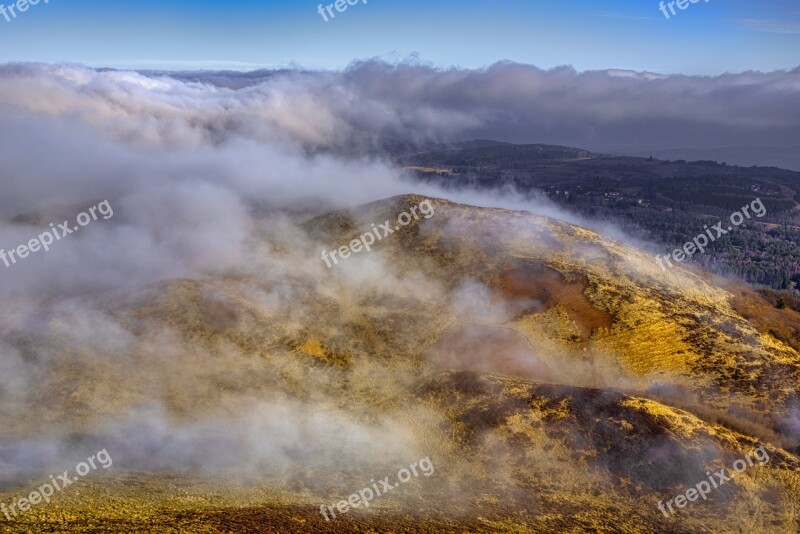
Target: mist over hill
{"type": "Point", "coordinates": [536, 364]}
{"type": "Point", "coordinates": [307, 286]}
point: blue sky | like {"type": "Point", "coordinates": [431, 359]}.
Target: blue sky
{"type": "Point", "coordinates": [706, 38]}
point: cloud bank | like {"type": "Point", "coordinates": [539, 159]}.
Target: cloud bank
{"type": "Point", "coordinates": [209, 174]}
{"type": "Point", "coordinates": [200, 153]}
{"type": "Point", "coordinates": [373, 103]}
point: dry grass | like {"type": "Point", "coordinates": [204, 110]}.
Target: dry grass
{"type": "Point", "coordinates": [519, 448]}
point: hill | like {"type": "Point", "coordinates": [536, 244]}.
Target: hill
{"type": "Point", "coordinates": [557, 380]}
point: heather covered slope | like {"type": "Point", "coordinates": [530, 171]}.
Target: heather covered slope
{"type": "Point", "coordinates": [599, 313]}
{"type": "Point", "coordinates": [511, 456]}
{"type": "Point", "coordinates": [558, 380]}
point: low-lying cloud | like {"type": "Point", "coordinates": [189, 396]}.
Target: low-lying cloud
{"type": "Point", "coordinates": [373, 103]}
{"type": "Point", "coordinates": [211, 174]}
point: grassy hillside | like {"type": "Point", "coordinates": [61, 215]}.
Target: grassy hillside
{"type": "Point", "coordinates": [558, 380]}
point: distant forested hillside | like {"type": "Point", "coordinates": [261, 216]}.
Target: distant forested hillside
{"type": "Point", "coordinates": [666, 202]}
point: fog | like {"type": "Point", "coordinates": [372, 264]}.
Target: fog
{"type": "Point", "coordinates": [211, 177]}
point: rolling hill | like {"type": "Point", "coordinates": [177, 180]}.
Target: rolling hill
{"type": "Point", "coordinates": [557, 379]}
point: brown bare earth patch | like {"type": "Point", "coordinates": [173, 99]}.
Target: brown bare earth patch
{"type": "Point", "coordinates": [547, 288]}
{"type": "Point", "coordinates": [782, 324]}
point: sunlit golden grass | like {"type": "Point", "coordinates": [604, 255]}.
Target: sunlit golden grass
{"type": "Point", "coordinates": [513, 454]}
